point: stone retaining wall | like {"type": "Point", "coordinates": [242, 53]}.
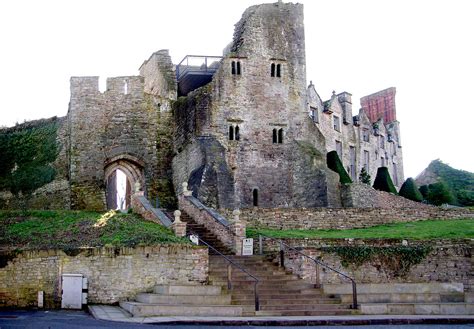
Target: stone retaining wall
{"type": "Point", "coordinates": [114, 274]}
{"type": "Point", "coordinates": [449, 261]}
{"type": "Point", "coordinates": [343, 218]}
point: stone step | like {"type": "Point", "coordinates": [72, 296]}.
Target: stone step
{"type": "Point", "coordinates": [187, 290]}
{"type": "Point", "coordinates": [306, 312]}
{"type": "Point", "coordinates": [406, 298]}
{"type": "Point", "coordinates": [275, 296]}
{"type": "Point", "coordinates": [143, 310]}
{"type": "Point", "coordinates": [284, 301]}
{"type": "Point", "coordinates": [469, 297]}
{"type": "Point", "coordinates": [418, 308]}
{"type": "Point", "coordinates": [303, 307]}
{"type": "Point", "coordinates": [184, 299]}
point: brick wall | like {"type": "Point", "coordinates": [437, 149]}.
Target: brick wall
{"type": "Point", "coordinates": [113, 274]}
{"type": "Point", "coordinates": [337, 218]}
{"type": "Point", "coordinates": [449, 261]}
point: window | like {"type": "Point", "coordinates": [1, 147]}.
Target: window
{"type": "Point", "coordinates": [352, 155]}
{"type": "Point", "coordinates": [277, 136]}
{"type": "Point", "coordinates": [395, 174]}
{"type": "Point", "coordinates": [336, 123]}
{"type": "Point", "coordinates": [280, 136]}
{"type": "Point", "coordinates": [125, 87]}
{"type": "Point", "coordinates": [275, 70]}
{"type": "Point", "coordinates": [237, 133]}
{"type": "Point", "coordinates": [231, 133]}
{"type": "Point", "coordinates": [382, 161]}
{"type": "Point", "coordinates": [314, 113]}
{"type": "Point", "coordinates": [365, 135]}
{"type": "Point", "coordinates": [382, 142]}
{"type": "Point", "coordinates": [339, 149]}
{"type": "Point", "coordinates": [366, 160]}
{"type": "Point", "coordinates": [234, 133]}
{"type": "Point", "coordinates": [235, 67]}
{"type": "Point", "coordinates": [255, 197]}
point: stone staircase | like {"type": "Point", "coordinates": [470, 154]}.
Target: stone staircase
{"type": "Point", "coordinates": [280, 293]}
{"type": "Point", "coordinates": [183, 300]}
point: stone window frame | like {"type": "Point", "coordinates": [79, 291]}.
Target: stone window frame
{"type": "Point", "coordinates": [336, 123]}
{"type": "Point", "coordinates": [275, 70]}
{"type": "Point", "coordinates": [277, 135]}
{"type": "Point", "coordinates": [382, 141]}
{"type": "Point", "coordinates": [339, 149]}
{"type": "Point", "coordinates": [234, 133]}
{"type": "Point", "coordinates": [366, 135]}
{"type": "Point", "coordinates": [255, 197]}
{"type": "Point", "coordinates": [235, 68]}
{"type": "Point", "coordinates": [314, 114]}
{"type": "Point", "coordinates": [366, 160]}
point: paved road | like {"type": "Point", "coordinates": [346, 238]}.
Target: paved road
{"type": "Point", "coordinates": [79, 319]}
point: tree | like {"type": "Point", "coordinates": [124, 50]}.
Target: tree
{"type": "Point", "coordinates": [334, 163]}
{"type": "Point", "coordinates": [410, 191]}
{"type": "Point", "coordinates": [424, 189]}
{"type": "Point", "coordinates": [364, 176]}
{"type": "Point", "coordinates": [439, 193]}
{"type": "Point", "coordinates": [383, 181]}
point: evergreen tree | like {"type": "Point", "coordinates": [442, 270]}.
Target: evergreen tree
{"type": "Point", "coordinates": [334, 163]}
{"type": "Point", "coordinates": [410, 191]}
{"type": "Point", "coordinates": [383, 181]}
{"type": "Point", "coordinates": [439, 193]}
{"type": "Point", "coordinates": [364, 176]}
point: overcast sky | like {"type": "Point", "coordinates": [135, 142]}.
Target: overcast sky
{"type": "Point", "coordinates": [423, 48]}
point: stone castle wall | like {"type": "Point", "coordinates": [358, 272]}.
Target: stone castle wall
{"type": "Point", "coordinates": [343, 218]}
{"type": "Point", "coordinates": [113, 274]}
{"type": "Point", "coordinates": [448, 261]}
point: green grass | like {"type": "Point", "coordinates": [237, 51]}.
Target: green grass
{"type": "Point", "coordinates": [34, 229]}
{"type": "Point", "coordinates": [421, 230]}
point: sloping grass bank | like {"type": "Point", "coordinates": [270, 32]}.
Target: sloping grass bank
{"type": "Point", "coordinates": [421, 230]}
{"type": "Point", "coordinates": [74, 229]}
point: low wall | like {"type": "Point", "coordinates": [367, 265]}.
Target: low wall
{"type": "Point", "coordinates": [114, 274]}
{"type": "Point", "coordinates": [358, 195]}
{"type": "Point", "coordinates": [343, 218]}
{"type": "Point", "coordinates": [448, 261]}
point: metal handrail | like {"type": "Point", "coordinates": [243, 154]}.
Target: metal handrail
{"type": "Point", "coordinates": [229, 271]}
{"type": "Point", "coordinates": [180, 72]}
{"type": "Point", "coordinates": [318, 262]}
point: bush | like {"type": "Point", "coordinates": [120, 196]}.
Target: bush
{"type": "Point", "coordinates": [424, 191]}
{"type": "Point", "coordinates": [439, 193]}
{"type": "Point", "coordinates": [364, 176]}
{"type": "Point", "coordinates": [410, 191]}
{"type": "Point", "coordinates": [334, 163]}
{"type": "Point", "coordinates": [383, 181]}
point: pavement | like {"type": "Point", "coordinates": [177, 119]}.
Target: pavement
{"type": "Point", "coordinates": [115, 313]}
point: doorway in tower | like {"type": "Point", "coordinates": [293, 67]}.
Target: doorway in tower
{"type": "Point", "coordinates": [118, 191]}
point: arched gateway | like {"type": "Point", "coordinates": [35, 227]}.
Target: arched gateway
{"type": "Point", "coordinates": [115, 170]}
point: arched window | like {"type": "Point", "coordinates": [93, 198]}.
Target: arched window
{"type": "Point", "coordinates": [125, 87]}
{"type": "Point", "coordinates": [238, 68]}
{"type": "Point", "coordinates": [233, 67]}
{"type": "Point", "coordinates": [278, 71]}
{"type": "Point", "coordinates": [272, 70]}
{"type": "Point", "coordinates": [275, 137]}
{"type": "Point", "coordinates": [280, 136]}
{"type": "Point", "coordinates": [231, 133]}
{"type": "Point", "coordinates": [255, 197]}
{"type": "Point", "coordinates": [237, 133]}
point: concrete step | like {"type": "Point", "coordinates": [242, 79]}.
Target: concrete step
{"type": "Point", "coordinates": [187, 290]}
{"type": "Point", "coordinates": [271, 302]}
{"type": "Point", "coordinates": [142, 309]}
{"type": "Point", "coordinates": [184, 299]}
{"type": "Point", "coordinates": [306, 312]}
{"type": "Point", "coordinates": [304, 307]}
{"type": "Point", "coordinates": [406, 298]}
{"type": "Point", "coordinates": [418, 308]}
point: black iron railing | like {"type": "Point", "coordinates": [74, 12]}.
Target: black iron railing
{"type": "Point", "coordinates": [196, 63]}
{"type": "Point", "coordinates": [229, 271]}
{"type": "Point", "coordinates": [316, 261]}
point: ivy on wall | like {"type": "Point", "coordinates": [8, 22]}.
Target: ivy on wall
{"type": "Point", "coordinates": [398, 259]}
{"type": "Point", "coordinates": [27, 152]}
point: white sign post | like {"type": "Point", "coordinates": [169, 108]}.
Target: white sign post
{"type": "Point", "coordinates": [247, 247]}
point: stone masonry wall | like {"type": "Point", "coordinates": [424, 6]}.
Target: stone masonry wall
{"type": "Point", "coordinates": [113, 274]}
{"type": "Point", "coordinates": [360, 195]}
{"type": "Point", "coordinates": [449, 261]}
{"type": "Point", "coordinates": [343, 218]}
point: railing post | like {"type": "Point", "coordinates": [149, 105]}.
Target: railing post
{"type": "Point", "coordinates": [354, 295]}
{"type": "Point", "coordinates": [260, 244]}
{"type": "Point", "coordinates": [282, 255]}
{"type": "Point", "coordinates": [229, 277]}
{"type": "Point", "coordinates": [318, 279]}
{"type": "Point", "coordinates": [257, 302]}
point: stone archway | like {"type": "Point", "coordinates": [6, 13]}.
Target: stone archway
{"type": "Point", "coordinates": [133, 171]}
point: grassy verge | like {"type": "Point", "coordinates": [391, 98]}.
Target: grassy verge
{"type": "Point", "coordinates": [74, 229]}
{"type": "Point", "coordinates": [421, 230]}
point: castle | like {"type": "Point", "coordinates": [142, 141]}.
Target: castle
{"type": "Point", "coordinates": [243, 129]}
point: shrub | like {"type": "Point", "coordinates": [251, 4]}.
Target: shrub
{"type": "Point", "coordinates": [364, 176]}
{"type": "Point", "coordinates": [424, 191]}
{"type": "Point", "coordinates": [410, 191]}
{"type": "Point", "coordinates": [383, 181]}
{"type": "Point", "coordinates": [439, 193]}
{"type": "Point", "coordinates": [334, 163]}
